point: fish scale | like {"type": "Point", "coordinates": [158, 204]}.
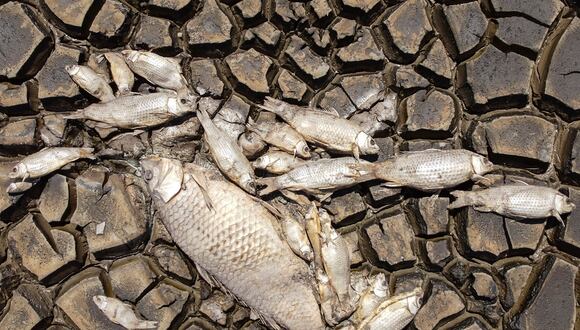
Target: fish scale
{"type": "Point", "coordinates": [237, 244]}
{"type": "Point", "coordinates": [530, 202]}
{"type": "Point", "coordinates": [320, 173]}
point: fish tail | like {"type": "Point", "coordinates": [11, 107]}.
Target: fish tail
{"type": "Point", "coordinates": [87, 153]}
{"type": "Point", "coordinates": [75, 115]}
{"type": "Point", "coordinates": [270, 183]}
{"type": "Point", "coordinates": [144, 324]}
{"type": "Point", "coordinates": [365, 170]}
{"type": "Point", "coordinates": [276, 106]}
{"type": "Point", "coordinates": [462, 199]}
{"type": "Point", "coordinates": [204, 118]}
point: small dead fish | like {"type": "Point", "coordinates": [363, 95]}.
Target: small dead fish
{"type": "Point", "coordinates": [429, 170]}
{"type": "Point", "coordinates": [281, 136]}
{"type": "Point", "coordinates": [15, 188]}
{"type": "Point", "coordinates": [317, 178]}
{"type": "Point", "coordinates": [313, 230]}
{"type": "Point", "coordinates": [296, 237]}
{"type": "Point", "coordinates": [372, 297]}
{"type": "Point", "coordinates": [121, 313]}
{"type": "Point", "coordinates": [324, 129]}
{"type": "Point", "coordinates": [135, 111]}
{"type": "Point", "coordinates": [162, 71]}
{"type": "Point", "coordinates": [122, 75]}
{"type": "Point", "coordinates": [227, 154]}
{"type": "Point", "coordinates": [251, 144]}
{"type": "Point", "coordinates": [517, 201]}
{"type": "Point", "coordinates": [336, 260]}
{"type": "Point", "coordinates": [394, 313]}
{"type": "Point", "coordinates": [47, 161]}
{"type": "Point", "coordinates": [90, 81]}
{"type": "Point", "coordinates": [328, 299]}
{"type": "Point", "coordinates": [277, 162]}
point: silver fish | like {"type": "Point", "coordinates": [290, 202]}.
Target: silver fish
{"type": "Point", "coordinates": [517, 201]}
{"type": "Point", "coordinates": [336, 260]}
{"type": "Point", "coordinates": [135, 111]}
{"type": "Point", "coordinates": [121, 313]}
{"type": "Point", "coordinates": [47, 161]}
{"type": "Point", "coordinates": [372, 297]}
{"type": "Point", "coordinates": [317, 178]}
{"type": "Point", "coordinates": [18, 187]}
{"type": "Point", "coordinates": [227, 154]}
{"type": "Point", "coordinates": [281, 136]}
{"type": "Point", "coordinates": [322, 128]}
{"type": "Point", "coordinates": [429, 170]}
{"type": "Point", "coordinates": [394, 313]}
{"type": "Point", "coordinates": [251, 144]}
{"type": "Point", "coordinates": [313, 230]}
{"type": "Point", "coordinates": [122, 75]}
{"type": "Point", "coordinates": [90, 81]}
{"type": "Point", "coordinates": [230, 236]}
{"type": "Point", "coordinates": [277, 162]}
{"type": "Point", "coordinates": [162, 71]}
{"type": "Point", "coordinates": [295, 234]}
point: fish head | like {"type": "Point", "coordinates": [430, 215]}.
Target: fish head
{"type": "Point", "coordinates": [563, 204]}
{"type": "Point", "coordinates": [248, 183]}
{"type": "Point", "coordinates": [302, 149]}
{"type": "Point", "coordinates": [187, 100]}
{"type": "Point", "coordinates": [18, 171]}
{"type": "Point", "coordinates": [72, 69]}
{"type": "Point", "coordinates": [130, 55]}
{"type": "Point", "coordinates": [100, 301]}
{"type": "Point", "coordinates": [262, 162]}
{"type": "Point", "coordinates": [380, 285]}
{"type": "Point", "coordinates": [481, 165]}
{"type": "Point", "coordinates": [415, 301]}
{"type": "Point", "coordinates": [164, 176]}
{"type": "Point", "coordinates": [366, 144]}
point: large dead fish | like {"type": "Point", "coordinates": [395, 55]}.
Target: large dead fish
{"type": "Point", "coordinates": [135, 111]}
{"type": "Point", "coordinates": [394, 313]}
{"type": "Point", "coordinates": [121, 313]}
{"type": "Point", "coordinates": [517, 201]}
{"type": "Point", "coordinates": [122, 75]}
{"type": "Point", "coordinates": [227, 154]}
{"type": "Point", "coordinates": [162, 71]}
{"type": "Point", "coordinates": [231, 238]}
{"type": "Point", "coordinates": [429, 170]}
{"type": "Point", "coordinates": [90, 81]}
{"type": "Point", "coordinates": [47, 161]}
{"type": "Point", "coordinates": [281, 136]}
{"type": "Point", "coordinates": [336, 260]}
{"type": "Point", "coordinates": [323, 128]}
{"type": "Point", "coordinates": [317, 178]}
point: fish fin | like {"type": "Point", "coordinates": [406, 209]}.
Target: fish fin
{"type": "Point", "coordinates": [330, 111]}
{"type": "Point", "coordinates": [207, 277]}
{"type": "Point", "coordinates": [482, 208]}
{"type": "Point", "coordinates": [363, 168]}
{"type": "Point", "coordinates": [479, 179]}
{"type": "Point", "coordinates": [323, 197]}
{"type": "Point", "coordinates": [268, 206]}
{"type": "Point", "coordinates": [461, 200]}
{"type": "Point", "coordinates": [518, 181]}
{"type": "Point", "coordinates": [298, 198]}
{"type": "Point", "coordinates": [559, 218]}
{"type": "Point", "coordinates": [356, 151]}
{"type": "Point", "coordinates": [270, 184]}
{"type": "Point", "coordinates": [273, 105]}
{"type": "Point", "coordinates": [201, 181]}
{"type": "Point", "coordinates": [87, 153]}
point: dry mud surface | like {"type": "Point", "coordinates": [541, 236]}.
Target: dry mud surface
{"type": "Point", "coordinates": [499, 77]}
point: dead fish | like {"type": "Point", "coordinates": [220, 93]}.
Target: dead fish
{"type": "Point", "coordinates": [372, 297]}
{"type": "Point", "coordinates": [313, 230]}
{"type": "Point", "coordinates": [164, 72]}
{"type": "Point", "coordinates": [90, 81]}
{"type": "Point", "coordinates": [324, 129]}
{"type": "Point", "coordinates": [122, 75]}
{"type": "Point", "coordinates": [429, 170]}
{"type": "Point", "coordinates": [47, 161]}
{"type": "Point", "coordinates": [15, 188]}
{"type": "Point", "coordinates": [296, 235]}
{"type": "Point", "coordinates": [251, 144]}
{"type": "Point", "coordinates": [227, 154]}
{"type": "Point", "coordinates": [328, 299]}
{"type": "Point", "coordinates": [394, 313]}
{"type": "Point", "coordinates": [135, 111]}
{"type": "Point", "coordinates": [281, 136]}
{"type": "Point", "coordinates": [336, 260]}
{"type": "Point", "coordinates": [277, 162]}
{"type": "Point", "coordinates": [121, 313]}
{"type": "Point", "coordinates": [316, 178]}
{"type": "Point", "coordinates": [519, 201]}
{"type": "Point", "coordinates": [231, 237]}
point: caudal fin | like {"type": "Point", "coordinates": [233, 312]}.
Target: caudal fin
{"type": "Point", "coordinates": [276, 106]}
{"type": "Point", "coordinates": [363, 170]}
{"type": "Point", "coordinates": [204, 119]}
{"type": "Point", "coordinates": [87, 153]}
{"type": "Point", "coordinates": [270, 183]}
{"type": "Point", "coordinates": [462, 199]}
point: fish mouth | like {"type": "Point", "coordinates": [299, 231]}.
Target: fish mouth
{"type": "Point", "coordinates": [72, 69]}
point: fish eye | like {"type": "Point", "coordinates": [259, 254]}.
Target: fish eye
{"type": "Point", "coordinates": [15, 169]}
{"type": "Point", "coordinates": [373, 142]}
{"type": "Point", "coordinates": [148, 175]}
{"type": "Point", "coordinates": [183, 100]}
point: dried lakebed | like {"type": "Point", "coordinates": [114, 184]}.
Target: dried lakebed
{"type": "Point", "coordinates": [495, 77]}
